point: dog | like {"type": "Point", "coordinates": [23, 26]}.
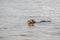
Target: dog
{"type": "Point", "coordinates": [31, 22]}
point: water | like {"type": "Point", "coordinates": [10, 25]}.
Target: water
{"type": "Point", "coordinates": [17, 29]}
{"type": "Point", "coordinates": [15, 13]}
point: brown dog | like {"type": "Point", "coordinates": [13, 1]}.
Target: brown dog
{"type": "Point", "coordinates": [31, 22]}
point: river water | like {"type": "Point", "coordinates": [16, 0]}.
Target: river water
{"type": "Point", "coordinates": [15, 13]}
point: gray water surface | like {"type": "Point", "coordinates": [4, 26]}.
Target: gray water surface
{"type": "Point", "coordinates": [15, 13]}
{"type": "Point", "coordinates": [19, 30]}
